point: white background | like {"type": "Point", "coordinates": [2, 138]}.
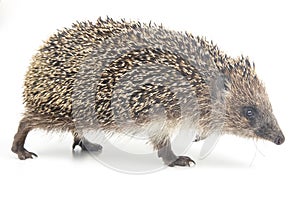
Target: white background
{"type": "Point", "coordinates": [266, 31]}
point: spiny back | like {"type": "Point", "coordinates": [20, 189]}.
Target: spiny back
{"type": "Point", "coordinates": [53, 69]}
{"type": "Point", "coordinates": [52, 75]}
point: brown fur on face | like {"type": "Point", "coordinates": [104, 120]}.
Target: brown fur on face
{"type": "Point", "coordinates": [248, 109]}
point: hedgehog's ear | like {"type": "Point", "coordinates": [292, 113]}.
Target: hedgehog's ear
{"type": "Point", "coordinates": [219, 85]}
{"type": "Point", "coordinates": [225, 81]}
{"type": "Point", "coordinates": [224, 76]}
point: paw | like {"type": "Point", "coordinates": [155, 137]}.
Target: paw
{"type": "Point", "coordinates": [87, 145]}
{"type": "Point", "coordinates": [24, 154]}
{"type": "Point", "coordinates": [182, 161]}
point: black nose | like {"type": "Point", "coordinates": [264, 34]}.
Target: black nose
{"type": "Point", "coordinates": [279, 140]}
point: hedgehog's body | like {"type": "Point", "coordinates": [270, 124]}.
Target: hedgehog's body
{"type": "Point", "coordinates": [121, 77]}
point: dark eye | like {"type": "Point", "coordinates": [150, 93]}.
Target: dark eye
{"type": "Point", "coordinates": [249, 112]}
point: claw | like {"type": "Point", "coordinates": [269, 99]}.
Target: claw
{"type": "Point", "coordinates": [24, 154]}
{"type": "Point", "coordinates": [182, 161]}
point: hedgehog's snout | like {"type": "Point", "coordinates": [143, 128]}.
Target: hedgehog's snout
{"type": "Point", "coordinates": [279, 139]}
{"type": "Point", "coordinates": [270, 130]}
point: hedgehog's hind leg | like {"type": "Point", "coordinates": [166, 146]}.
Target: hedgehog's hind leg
{"type": "Point", "coordinates": [84, 143]}
{"type": "Point", "coordinates": [19, 140]}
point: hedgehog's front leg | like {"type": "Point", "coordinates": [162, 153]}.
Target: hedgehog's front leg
{"type": "Point", "coordinates": [165, 152]}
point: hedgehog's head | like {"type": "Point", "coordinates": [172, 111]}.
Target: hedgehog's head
{"type": "Point", "coordinates": [248, 109]}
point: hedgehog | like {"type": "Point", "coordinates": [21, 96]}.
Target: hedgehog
{"type": "Point", "coordinates": [125, 77]}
